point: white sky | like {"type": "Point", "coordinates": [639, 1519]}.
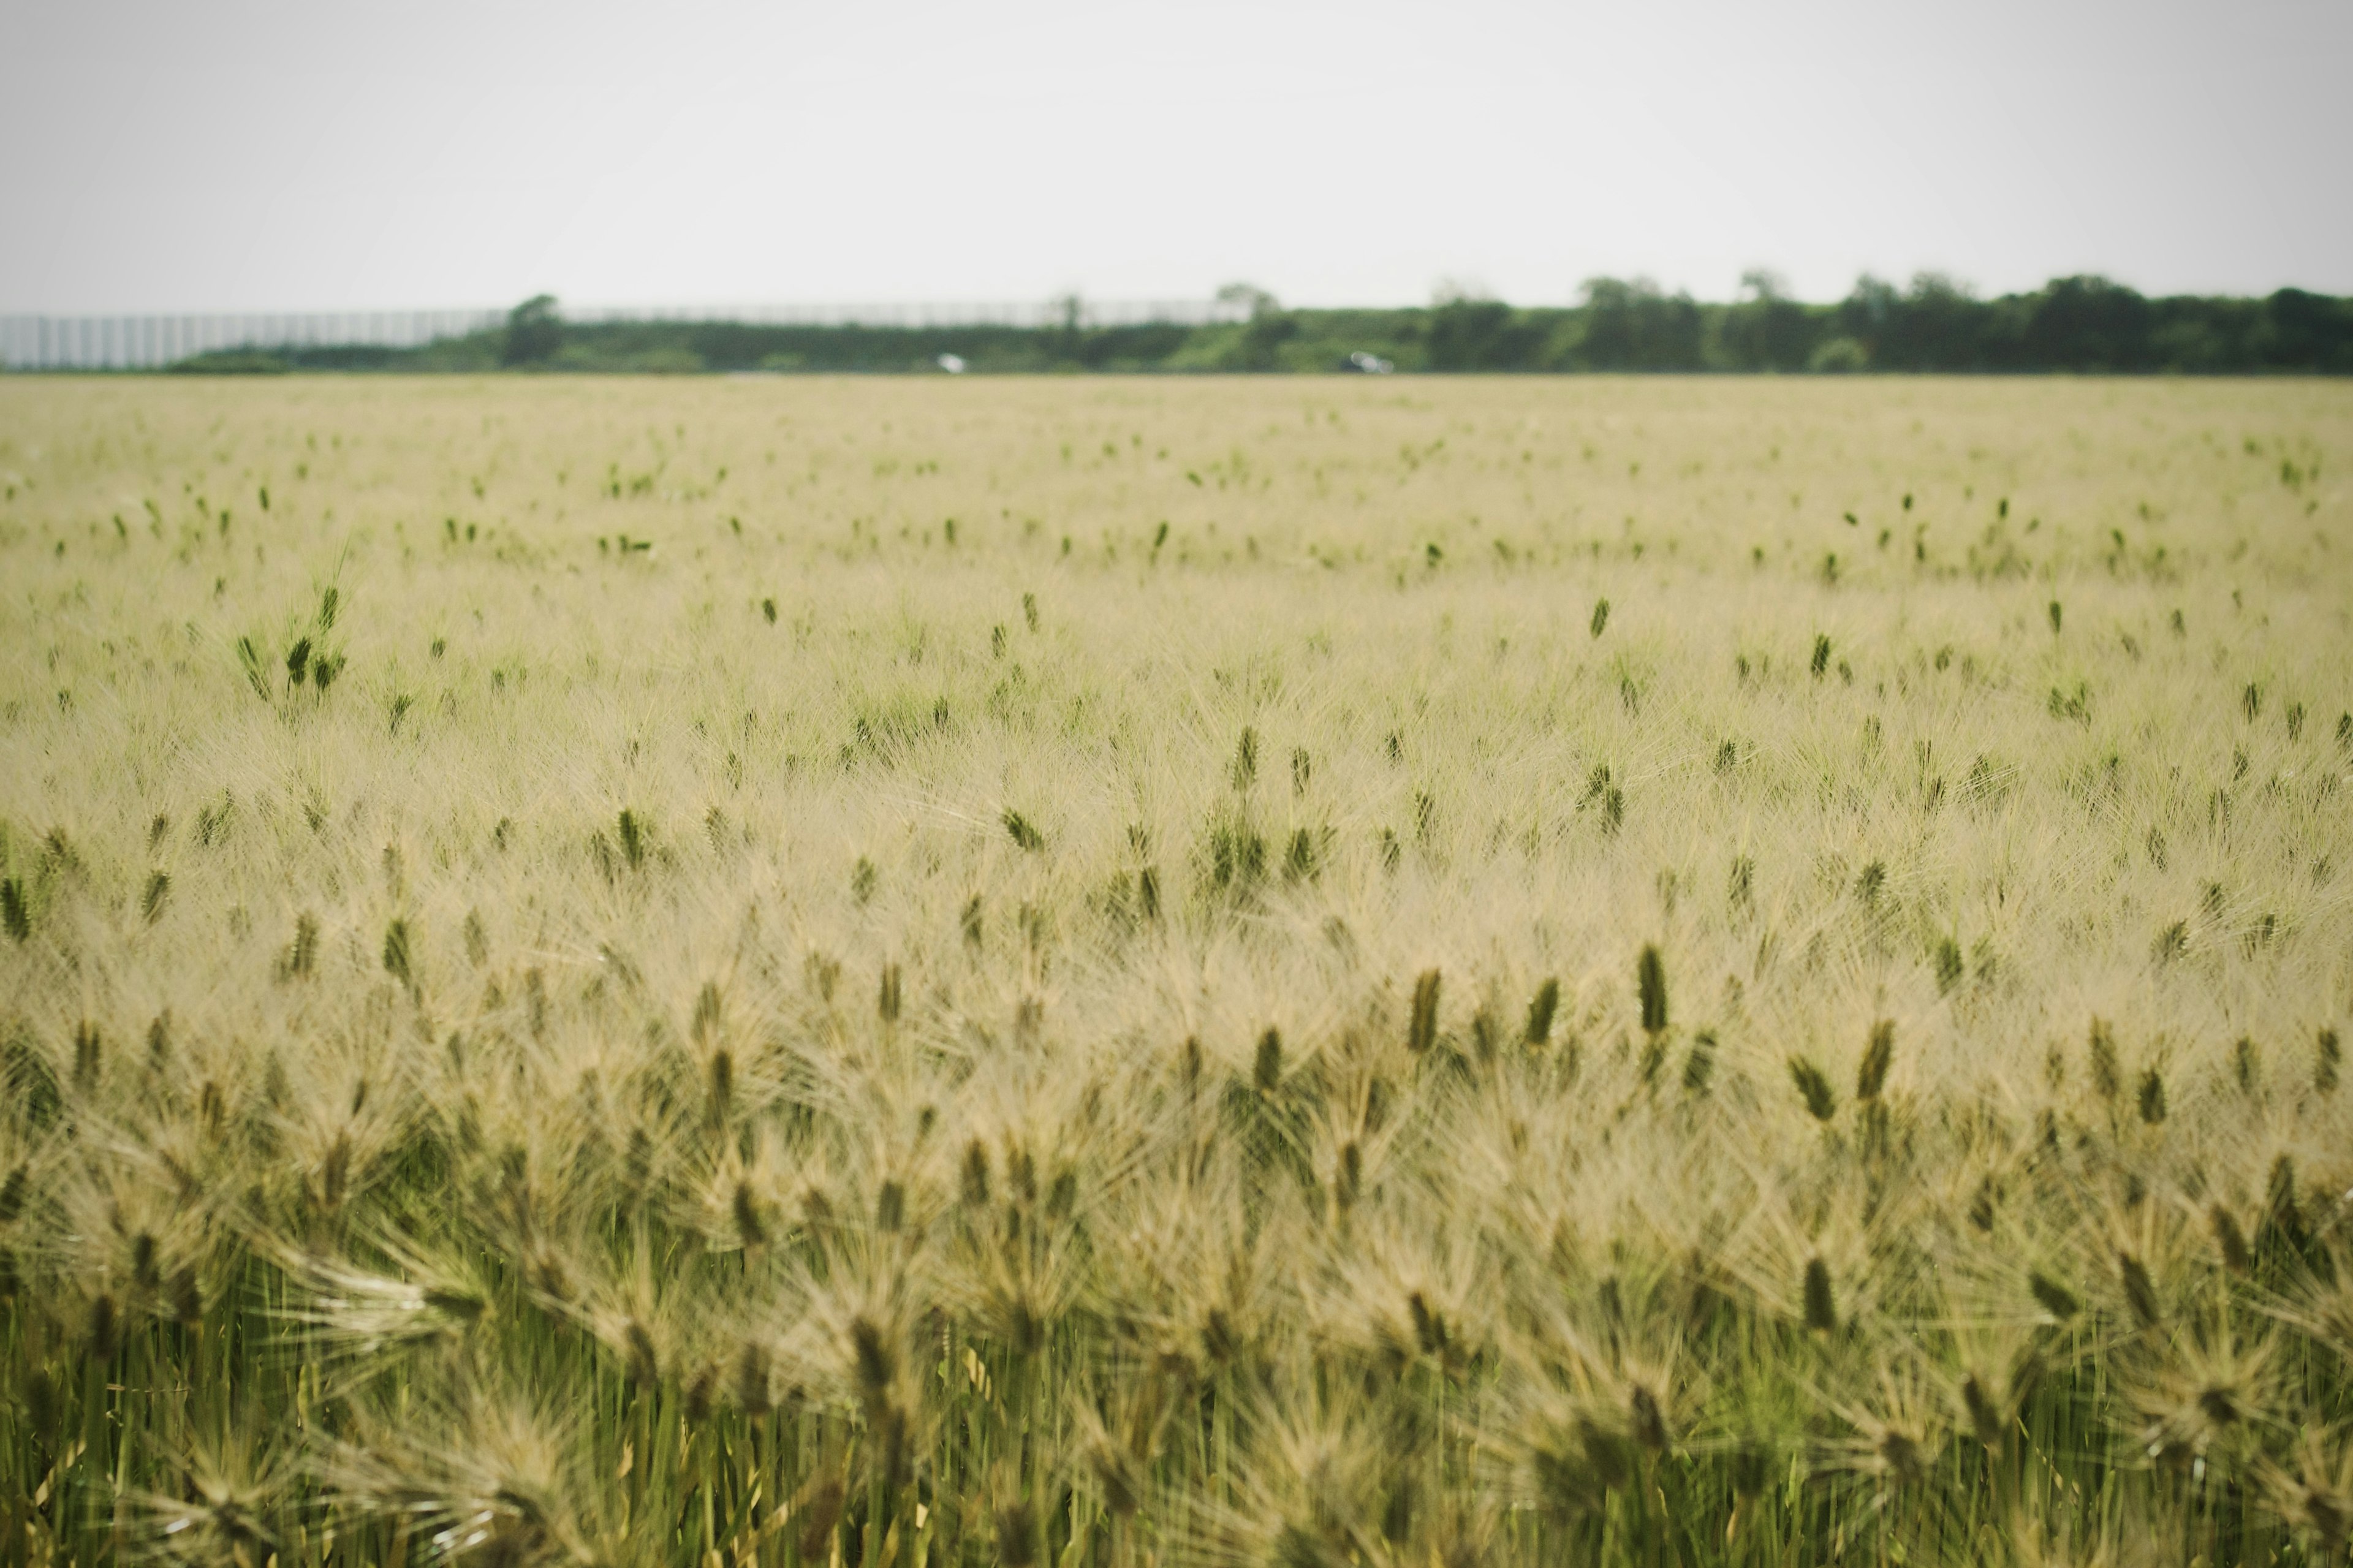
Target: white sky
{"type": "Point", "coordinates": [324, 155]}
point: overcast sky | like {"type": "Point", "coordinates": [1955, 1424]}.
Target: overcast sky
{"type": "Point", "coordinates": [190, 156]}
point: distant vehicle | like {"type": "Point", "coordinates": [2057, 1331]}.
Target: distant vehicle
{"type": "Point", "coordinates": [952, 363]}
{"type": "Point", "coordinates": [1371, 364]}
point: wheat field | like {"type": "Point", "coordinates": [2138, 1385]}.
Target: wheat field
{"type": "Point", "coordinates": [925, 974]}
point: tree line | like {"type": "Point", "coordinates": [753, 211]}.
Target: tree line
{"type": "Point", "coordinates": [2081, 325]}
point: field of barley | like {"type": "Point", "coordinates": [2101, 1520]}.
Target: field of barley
{"type": "Point", "coordinates": [1092, 974]}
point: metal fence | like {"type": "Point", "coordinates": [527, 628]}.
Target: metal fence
{"type": "Point", "coordinates": [144, 343]}
{"type": "Point", "coordinates": [148, 342]}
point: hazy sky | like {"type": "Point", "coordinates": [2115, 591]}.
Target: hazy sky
{"type": "Point", "coordinates": [167, 156]}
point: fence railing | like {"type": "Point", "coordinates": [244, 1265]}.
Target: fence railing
{"type": "Point", "coordinates": [148, 342]}
{"type": "Point", "coordinates": [144, 343]}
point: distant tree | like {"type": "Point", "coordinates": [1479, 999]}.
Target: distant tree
{"type": "Point", "coordinates": [1260, 301]}
{"type": "Point", "coordinates": [1268, 332]}
{"type": "Point", "coordinates": [2297, 331]}
{"type": "Point", "coordinates": [1270, 326]}
{"type": "Point", "coordinates": [1885, 323]}
{"type": "Point", "coordinates": [1633, 326]}
{"type": "Point", "coordinates": [535, 332]}
{"type": "Point", "coordinates": [2087, 323]}
{"type": "Point", "coordinates": [2195, 336]}
{"type": "Point", "coordinates": [1937, 326]}
{"type": "Point", "coordinates": [1767, 330]}
{"type": "Point", "coordinates": [1865, 314]}
{"type": "Point", "coordinates": [1469, 331]}
{"type": "Point", "coordinates": [1065, 337]}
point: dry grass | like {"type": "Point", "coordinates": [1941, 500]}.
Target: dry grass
{"type": "Point", "coordinates": [1601, 971]}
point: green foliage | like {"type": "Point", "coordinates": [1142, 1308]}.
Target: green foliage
{"type": "Point", "coordinates": [234, 362]}
{"type": "Point", "coordinates": [1632, 326]}
{"type": "Point", "coordinates": [533, 334]}
{"type": "Point", "coordinates": [2080, 324]}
